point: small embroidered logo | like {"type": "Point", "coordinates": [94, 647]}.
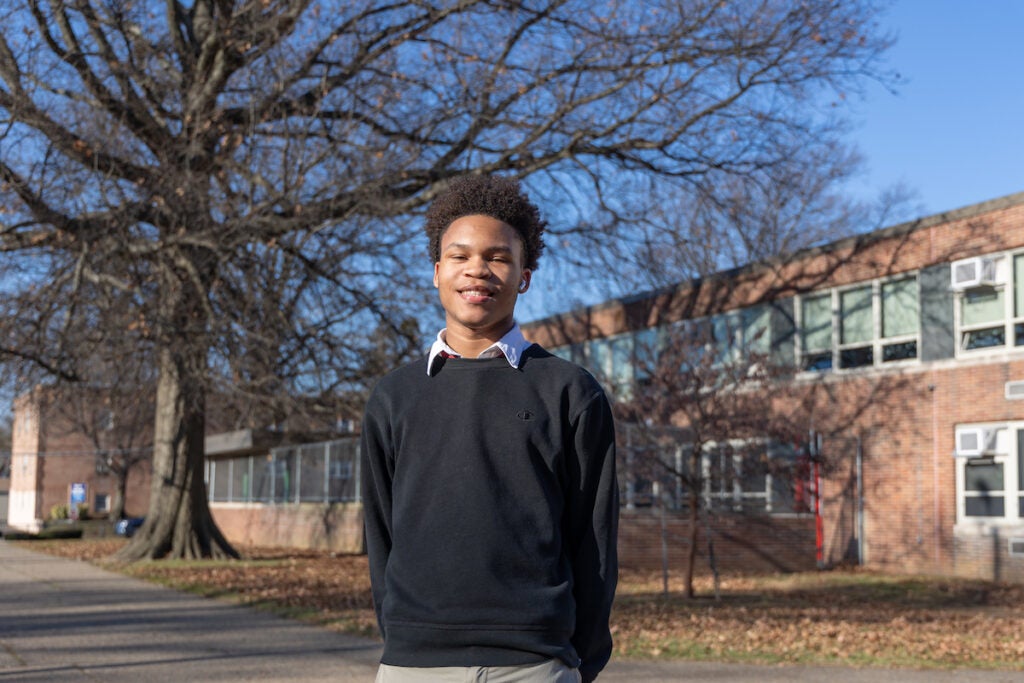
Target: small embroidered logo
{"type": "Point", "coordinates": [525, 415]}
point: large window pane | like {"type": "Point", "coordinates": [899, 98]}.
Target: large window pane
{"type": "Point", "coordinates": [221, 483]}
{"type": "Point", "coordinates": [899, 308]}
{"type": "Point", "coordinates": [983, 477]}
{"type": "Point", "coordinates": [262, 478]}
{"type": "Point", "coordinates": [240, 479]}
{"type": "Point", "coordinates": [311, 481]}
{"type": "Point", "coordinates": [341, 480]}
{"type": "Point", "coordinates": [857, 322]}
{"type": "Point", "coordinates": [724, 330]}
{"type": "Point", "coordinates": [982, 306]}
{"type": "Point", "coordinates": [598, 358]}
{"type": "Point", "coordinates": [622, 364]}
{"type": "Point", "coordinates": [816, 323]}
{"type": "Point", "coordinates": [284, 469]}
{"type": "Point", "coordinates": [647, 351]}
{"type": "Point", "coordinates": [756, 323]}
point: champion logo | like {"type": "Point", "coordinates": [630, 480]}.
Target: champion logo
{"type": "Point", "coordinates": [525, 415]}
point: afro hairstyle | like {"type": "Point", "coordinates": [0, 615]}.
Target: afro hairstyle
{"type": "Point", "coordinates": [496, 196]}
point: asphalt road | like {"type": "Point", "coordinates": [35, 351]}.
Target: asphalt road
{"type": "Point", "coordinates": [65, 620]}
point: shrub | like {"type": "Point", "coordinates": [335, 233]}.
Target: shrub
{"type": "Point", "coordinates": [61, 532]}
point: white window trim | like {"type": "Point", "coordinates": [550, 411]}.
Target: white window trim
{"type": "Point", "coordinates": [1006, 260]}
{"type": "Point", "coordinates": [1011, 493]}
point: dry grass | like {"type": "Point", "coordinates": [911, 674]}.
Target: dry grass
{"type": "Point", "coordinates": [858, 618]}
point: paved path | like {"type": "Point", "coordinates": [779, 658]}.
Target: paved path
{"type": "Point", "coordinates": [64, 620]}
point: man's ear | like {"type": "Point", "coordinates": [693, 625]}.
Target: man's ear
{"type": "Point", "coordinates": [524, 283]}
{"type": "Point", "coordinates": [437, 264]}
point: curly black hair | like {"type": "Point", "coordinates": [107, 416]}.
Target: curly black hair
{"type": "Point", "coordinates": [496, 196]}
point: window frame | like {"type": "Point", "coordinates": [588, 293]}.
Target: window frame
{"type": "Point", "coordinates": [1012, 321]}
{"type": "Point", "coordinates": [818, 360]}
{"type": "Point", "coordinates": [1012, 492]}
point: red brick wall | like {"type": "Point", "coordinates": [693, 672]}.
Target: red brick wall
{"type": "Point", "coordinates": [337, 527]}
{"type": "Point", "coordinates": [754, 544]}
{"type": "Point", "coordinates": [59, 456]}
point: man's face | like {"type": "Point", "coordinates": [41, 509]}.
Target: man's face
{"type": "Point", "coordinates": [479, 277]}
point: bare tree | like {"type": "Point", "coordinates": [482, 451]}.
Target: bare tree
{"type": "Point", "coordinates": [704, 415]}
{"type": "Point", "coordinates": [114, 412]}
{"type": "Point", "coordinates": [178, 157]}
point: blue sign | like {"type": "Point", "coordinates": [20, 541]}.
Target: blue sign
{"type": "Point", "coordinates": [77, 498]}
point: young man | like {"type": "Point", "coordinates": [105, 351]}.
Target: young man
{"type": "Point", "coordinates": [489, 474]}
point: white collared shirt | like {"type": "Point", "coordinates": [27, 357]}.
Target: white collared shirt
{"type": "Point", "coordinates": [512, 346]}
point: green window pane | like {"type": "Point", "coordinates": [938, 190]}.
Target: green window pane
{"type": "Point", "coordinates": [757, 336]}
{"type": "Point", "coordinates": [855, 313]}
{"type": "Point", "coordinates": [647, 348]}
{"type": "Point", "coordinates": [984, 478]}
{"type": "Point", "coordinates": [1018, 286]}
{"type": "Point", "coordinates": [724, 337]}
{"type": "Point", "coordinates": [622, 360]}
{"type": "Point", "coordinates": [816, 322]}
{"type": "Point", "coordinates": [899, 308]}
{"type": "Point", "coordinates": [982, 306]}
{"type": "Point", "coordinates": [598, 357]}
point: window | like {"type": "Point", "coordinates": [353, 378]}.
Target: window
{"type": "Point", "coordinates": [875, 323]}
{"type": "Point", "coordinates": [984, 491]}
{"type": "Point", "coordinates": [816, 332]}
{"type": "Point", "coordinates": [756, 330]}
{"type": "Point", "coordinates": [991, 316]}
{"type": "Point", "coordinates": [747, 477]}
{"type": "Point", "coordinates": [856, 330]}
{"type": "Point", "coordinates": [317, 472]}
{"type": "Point", "coordinates": [901, 319]}
{"type": "Point", "coordinates": [751, 477]}
{"type": "Point", "coordinates": [1018, 300]}
{"type": "Point", "coordinates": [991, 488]}
{"type": "Point", "coordinates": [982, 319]}
{"type": "Point", "coordinates": [101, 503]}
{"type": "Point", "coordinates": [611, 361]}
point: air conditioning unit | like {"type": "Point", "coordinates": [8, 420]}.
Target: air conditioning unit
{"type": "Point", "coordinates": [980, 271]}
{"type": "Point", "coordinates": [975, 442]}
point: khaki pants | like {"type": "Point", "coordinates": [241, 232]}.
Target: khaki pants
{"type": "Point", "coordinates": [551, 671]}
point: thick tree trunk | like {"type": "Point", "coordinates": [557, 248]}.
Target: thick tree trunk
{"type": "Point", "coordinates": [179, 523]}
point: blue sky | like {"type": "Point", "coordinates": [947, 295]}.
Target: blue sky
{"type": "Point", "coordinates": [954, 132]}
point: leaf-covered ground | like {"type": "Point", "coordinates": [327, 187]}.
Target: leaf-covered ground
{"type": "Point", "coordinates": [858, 618]}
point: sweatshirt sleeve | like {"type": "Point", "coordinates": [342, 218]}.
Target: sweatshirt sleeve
{"type": "Point", "coordinates": [377, 470]}
{"type": "Point", "coordinates": [594, 514]}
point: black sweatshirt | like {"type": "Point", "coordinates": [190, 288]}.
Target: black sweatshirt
{"type": "Point", "coordinates": [491, 513]}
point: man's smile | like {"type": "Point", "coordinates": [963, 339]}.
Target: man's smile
{"type": "Point", "coordinates": [476, 295]}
